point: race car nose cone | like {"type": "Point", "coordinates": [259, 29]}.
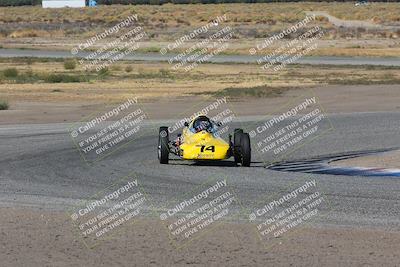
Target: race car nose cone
{"type": "Point", "coordinates": [204, 135]}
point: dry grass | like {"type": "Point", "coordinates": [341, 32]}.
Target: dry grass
{"type": "Point", "coordinates": [157, 80]}
{"type": "Point", "coordinates": [173, 15]}
{"type": "Point", "coordinates": [262, 91]}
{"type": "Point", "coordinates": [35, 27]}
{"type": "Point", "coordinates": [376, 12]}
{"type": "Point", "coordinates": [161, 21]}
{"type": "Point", "coordinates": [4, 104]}
{"type": "Point", "coordinates": [29, 33]}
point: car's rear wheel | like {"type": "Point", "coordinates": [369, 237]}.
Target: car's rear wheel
{"type": "Point", "coordinates": [245, 149]}
{"type": "Point", "coordinates": [163, 147]}
{"type": "Point", "coordinates": [236, 145]}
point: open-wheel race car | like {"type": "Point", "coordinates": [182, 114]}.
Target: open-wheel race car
{"type": "Point", "coordinates": [200, 141]}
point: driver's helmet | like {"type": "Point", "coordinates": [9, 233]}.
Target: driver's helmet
{"type": "Point", "coordinates": [202, 123]}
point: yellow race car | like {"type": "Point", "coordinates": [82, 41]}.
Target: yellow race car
{"type": "Point", "coordinates": [200, 141]}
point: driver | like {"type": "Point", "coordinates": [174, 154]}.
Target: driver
{"type": "Point", "coordinates": [199, 124]}
{"type": "Point", "coordinates": [202, 123]}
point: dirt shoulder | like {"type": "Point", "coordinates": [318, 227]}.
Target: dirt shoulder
{"type": "Point", "coordinates": [333, 99]}
{"type": "Point", "coordinates": [44, 238]}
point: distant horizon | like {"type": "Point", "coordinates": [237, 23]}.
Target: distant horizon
{"type": "Point", "coordinates": [183, 2]}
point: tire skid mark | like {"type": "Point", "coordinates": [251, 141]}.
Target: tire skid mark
{"type": "Point", "coordinates": [321, 165]}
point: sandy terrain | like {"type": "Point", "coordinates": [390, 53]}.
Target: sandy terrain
{"type": "Point", "coordinates": [43, 238]}
{"type": "Point", "coordinates": [355, 31]}
{"type": "Point", "coordinates": [349, 23]}
{"type": "Point", "coordinates": [334, 99]}
{"type": "Point", "coordinates": [384, 160]}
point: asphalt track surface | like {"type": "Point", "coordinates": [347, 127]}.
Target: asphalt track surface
{"type": "Point", "coordinates": [40, 167]}
{"type": "Point", "coordinates": [313, 60]}
{"type": "Point", "coordinates": [322, 165]}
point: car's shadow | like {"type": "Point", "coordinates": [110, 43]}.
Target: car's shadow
{"type": "Point", "coordinates": [219, 163]}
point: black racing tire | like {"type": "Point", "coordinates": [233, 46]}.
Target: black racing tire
{"type": "Point", "coordinates": [245, 149]}
{"type": "Point", "coordinates": [236, 145]}
{"type": "Point", "coordinates": [163, 145]}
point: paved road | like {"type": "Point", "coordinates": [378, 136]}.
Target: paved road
{"type": "Point", "coordinates": [39, 166]}
{"type": "Point", "coordinates": [328, 60]}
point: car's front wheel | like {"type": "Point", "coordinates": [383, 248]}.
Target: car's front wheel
{"type": "Point", "coordinates": [163, 145]}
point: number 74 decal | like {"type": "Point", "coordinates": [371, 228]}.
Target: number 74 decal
{"type": "Point", "coordinates": [207, 148]}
